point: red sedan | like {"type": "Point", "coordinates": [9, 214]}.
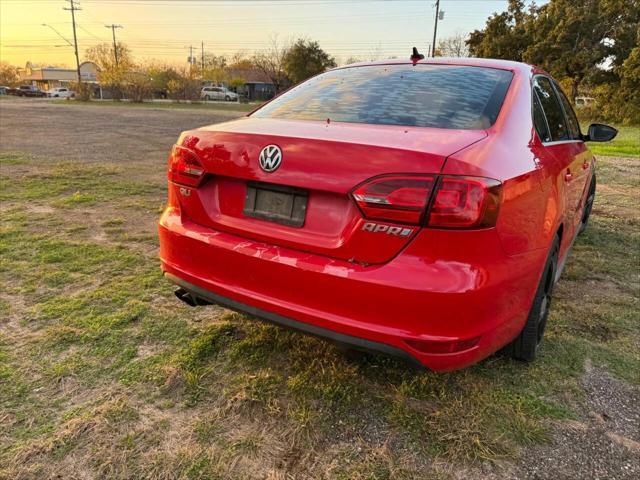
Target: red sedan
{"type": "Point", "coordinates": [421, 208]}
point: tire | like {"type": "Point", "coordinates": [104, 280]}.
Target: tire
{"type": "Point", "coordinates": [227, 98]}
{"type": "Point", "coordinates": [207, 98]}
{"type": "Point", "coordinates": [588, 205]}
{"type": "Point", "coordinates": [525, 346]}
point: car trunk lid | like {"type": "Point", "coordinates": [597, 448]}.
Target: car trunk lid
{"type": "Point", "coordinates": [305, 203]}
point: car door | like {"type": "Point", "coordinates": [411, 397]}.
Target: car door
{"type": "Point", "coordinates": [581, 169]}
{"type": "Point", "coordinates": [561, 153]}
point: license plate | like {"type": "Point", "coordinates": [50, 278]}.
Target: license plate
{"type": "Point", "coordinates": [276, 203]}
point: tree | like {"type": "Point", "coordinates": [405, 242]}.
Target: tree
{"type": "Point", "coordinates": [8, 74]}
{"type": "Point", "coordinates": [137, 86]}
{"type": "Point", "coordinates": [454, 46]}
{"type": "Point", "coordinates": [580, 45]}
{"type": "Point", "coordinates": [505, 35]}
{"type": "Point", "coordinates": [111, 74]}
{"type": "Point", "coordinates": [271, 63]}
{"type": "Point", "coordinates": [351, 60]}
{"type": "Point", "coordinates": [212, 61]}
{"type": "Point", "coordinates": [567, 41]}
{"type": "Point", "coordinates": [306, 59]}
{"type": "Point", "coordinates": [620, 101]}
{"type": "Point", "coordinates": [184, 88]}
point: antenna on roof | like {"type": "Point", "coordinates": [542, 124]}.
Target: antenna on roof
{"type": "Point", "coordinates": [415, 56]}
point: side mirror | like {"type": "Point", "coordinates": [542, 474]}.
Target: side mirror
{"type": "Point", "coordinates": [599, 132]}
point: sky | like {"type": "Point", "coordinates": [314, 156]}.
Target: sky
{"type": "Point", "coordinates": [165, 29]}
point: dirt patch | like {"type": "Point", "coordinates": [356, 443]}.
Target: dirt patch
{"type": "Point", "coordinates": [41, 209]}
{"type": "Point", "coordinates": [97, 133]}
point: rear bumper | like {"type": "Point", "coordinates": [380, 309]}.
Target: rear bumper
{"type": "Point", "coordinates": [445, 287]}
{"type": "Point", "coordinates": [288, 322]}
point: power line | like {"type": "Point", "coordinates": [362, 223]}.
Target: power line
{"type": "Point", "coordinates": [89, 33]}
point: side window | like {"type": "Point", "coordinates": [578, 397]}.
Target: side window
{"type": "Point", "coordinates": [539, 122]}
{"type": "Point", "coordinates": [552, 109]}
{"type": "Point", "coordinates": [572, 120]}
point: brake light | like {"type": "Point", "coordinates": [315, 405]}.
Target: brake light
{"type": "Point", "coordinates": [395, 199]}
{"type": "Point", "coordinates": [185, 167]}
{"type": "Point", "coordinates": [458, 202]}
{"type": "Point", "coordinates": [465, 202]}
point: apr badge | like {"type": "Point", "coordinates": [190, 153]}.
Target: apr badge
{"type": "Point", "coordinates": [388, 229]}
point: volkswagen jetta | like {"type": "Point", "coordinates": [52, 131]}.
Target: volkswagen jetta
{"type": "Point", "coordinates": [432, 223]}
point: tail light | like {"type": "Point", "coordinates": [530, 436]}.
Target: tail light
{"type": "Point", "coordinates": [458, 202]}
{"type": "Point", "coordinates": [395, 199]}
{"type": "Point", "coordinates": [185, 167]}
{"type": "Point", "coordinates": [465, 202]}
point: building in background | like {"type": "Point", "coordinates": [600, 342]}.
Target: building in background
{"type": "Point", "coordinates": [256, 86]}
{"type": "Point", "coordinates": [46, 78]}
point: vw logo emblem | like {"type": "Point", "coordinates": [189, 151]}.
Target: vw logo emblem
{"type": "Point", "coordinates": [270, 158]}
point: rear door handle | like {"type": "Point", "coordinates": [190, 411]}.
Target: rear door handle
{"type": "Point", "coordinates": [585, 165]}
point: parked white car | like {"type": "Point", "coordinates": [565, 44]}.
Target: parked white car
{"type": "Point", "coordinates": [584, 101]}
{"type": "Point", "coordinates": [61, 92]}
{"type": "Point", "coordinates": [218, 93]}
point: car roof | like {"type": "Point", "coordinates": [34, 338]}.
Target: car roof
{"type": "Point", "coordinates": [510, 65]}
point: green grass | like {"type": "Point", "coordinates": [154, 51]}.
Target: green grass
{"type": "Point", "coordinates": [102, 370]}
{"type": "Point", "coordinates": [221, 106]}
{"type": "Point", "coordinates": [626, 143]}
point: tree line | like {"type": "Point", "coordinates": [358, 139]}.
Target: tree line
{"type": "Point", "coordinates": [283, 64]}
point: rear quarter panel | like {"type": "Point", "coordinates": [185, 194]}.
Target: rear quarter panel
{"type": "Point", "coordinates": [530, 211]}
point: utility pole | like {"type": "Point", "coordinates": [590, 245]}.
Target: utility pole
{"type": "Point", "coordinates": [191, 60]}
{"type": "Point", "coordinates": [73, 8]}
{"type": "Point", "coordinates": [115, 45]}
{"type": "Point", "coordinates": [202, 58]}
{"type": "Point", "coordinates": [435, 29]}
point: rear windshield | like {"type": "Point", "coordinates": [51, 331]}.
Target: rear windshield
{"type": "Point", "coordinates": [440, 96]}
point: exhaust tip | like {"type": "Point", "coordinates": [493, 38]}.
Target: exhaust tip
{"type": "Point", "coordinates": [186, 297]}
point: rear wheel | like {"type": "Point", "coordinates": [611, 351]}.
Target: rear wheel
{"type": "Point", "coordinates": [227, 98]}
{"type": "Point", "coordinates": [207, 98]}
{"type": "Point", "coordinates": [525, 345]}
{"type": "Point", "coordinates": [588, 205]}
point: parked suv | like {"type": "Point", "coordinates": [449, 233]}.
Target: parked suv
{"type": "Point", "coordinates": [432, 223]}
{"type": "Point", "coordinates": [218, 93]}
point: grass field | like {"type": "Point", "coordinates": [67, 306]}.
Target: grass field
{"type": "Point", "coordinates": [104, 374]}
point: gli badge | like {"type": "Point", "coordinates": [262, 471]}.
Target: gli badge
{"type": "Point", "coordinates": [270, 158]}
